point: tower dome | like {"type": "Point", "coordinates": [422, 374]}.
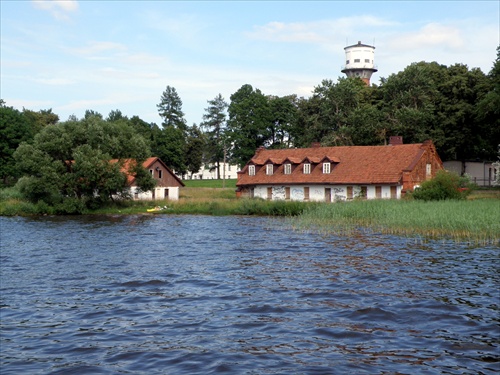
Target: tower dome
{"type": "Point", "coordinates": [359, 61]}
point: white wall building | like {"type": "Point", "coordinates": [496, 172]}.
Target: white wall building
{"type": "Point", "coordinates": [209, 172]}
{"type": "Point", "coordinates": [482, 173]}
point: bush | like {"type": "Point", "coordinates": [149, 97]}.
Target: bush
{"type": "Point", "coordinates": [445, 185]}
{"type": "Point", "coordinates": [70, 206]}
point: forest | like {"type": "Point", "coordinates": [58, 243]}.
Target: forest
{"type": "Point", "coordinates": [456, 107]}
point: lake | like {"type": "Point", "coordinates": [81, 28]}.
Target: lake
{"type": "Point", "coordinates": [160, 294]}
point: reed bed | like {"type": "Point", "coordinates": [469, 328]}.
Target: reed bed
{"type": "Point", "coordinates": [475, 221]}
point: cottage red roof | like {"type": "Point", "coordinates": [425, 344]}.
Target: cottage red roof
{"type": "Point", "coordinates": [128, 164]}
{"type": "Point", "coordinates": [349, 164]}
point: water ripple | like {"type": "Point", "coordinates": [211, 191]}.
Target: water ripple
{"type": "Point", "coordinates": [206, 295]}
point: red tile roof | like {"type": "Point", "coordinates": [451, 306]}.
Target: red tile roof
{"type": "Point", "coordinates": [128, 164]}
{"type": "Point", "coordinates": [350, 164]}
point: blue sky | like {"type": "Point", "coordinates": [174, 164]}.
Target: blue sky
{"type": "Point", "coordinates": [71, 56]}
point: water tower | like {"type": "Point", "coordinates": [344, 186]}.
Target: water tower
{"type": "Point", "coordinates": [359, 61]}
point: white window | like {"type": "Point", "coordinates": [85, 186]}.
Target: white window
{"type": "Point", "coordinates": [288, 168]}
{"type": "Point", "coordinates": [251, 170]}
{"type": "Point", "coordinates": [326, 167]}
{"type": "Point", "coordinates": [357, 60]}
{"type": "Point", "coordinates": [269, 169]}
{"type": "Point", "coordinates": [307, 168]}
{"type": "Point", "coordinates": [152, 172]}
{"type": "Point", "coordinates": [428, 170]}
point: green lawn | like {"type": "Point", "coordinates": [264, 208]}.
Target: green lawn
{"type": "Point", "coordinates": [210, 183]}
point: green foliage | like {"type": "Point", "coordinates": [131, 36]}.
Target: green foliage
{"type": "Point", "coordinates": [170, 109]}
{"type": "Point", "coordinates": [445, 185]}
{"type": "Point", "coordinates": [69, 165]}
{"type": "Point", "coordinates": [195, 147]}
{"type": "Point", "coordinates": [169, 144]}
{"type": "Point", "coordinates": [248, 123]}
{"type": "Point", "coordinates": [214, 126]}
{"type": "Point", "coordinates": [260, 207]}
{"type": "Point", "coordinates": [14, 128]}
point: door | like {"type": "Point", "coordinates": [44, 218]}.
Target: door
{"type": "Point", "coordinates": [269, 193]}
{"type": "Point", "coordinates": [394, 193]}
{"type": "Point", "coordinates": [165, 194]}
{"type": "Point", "coordinates": [349, 192]}
{"type": "Point", "coordinates": [328, 195]}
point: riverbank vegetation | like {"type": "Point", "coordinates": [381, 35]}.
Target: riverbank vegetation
{"type": "Point", "coordinates": [474, 220]}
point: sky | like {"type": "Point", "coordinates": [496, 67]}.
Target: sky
{"type": "Point", "coordinates": [71, 56]}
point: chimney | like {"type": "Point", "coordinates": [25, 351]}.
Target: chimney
{"type": "Point", "coordinates": [261, 148]}
{"type": "Point", "coordinates": [395, 140]}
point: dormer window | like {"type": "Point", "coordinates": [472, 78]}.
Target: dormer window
{"type": "Point", "coordinates": [307, 168]}
{"type": "Point", "coordinates": [251, 170]}
{"type": "Point", "coordinates": [288, 168]}
{"type": "Point", "coordinates": [269, 169]}
{"type": "Point", "coordinates": [326, 167]}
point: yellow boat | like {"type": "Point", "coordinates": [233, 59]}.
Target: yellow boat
{"type": "Point", "coordinates": [154, 209]}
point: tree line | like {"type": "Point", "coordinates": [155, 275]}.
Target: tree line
{"type": "Point", "coordinates": [457, 107]}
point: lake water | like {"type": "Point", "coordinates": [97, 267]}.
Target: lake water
{"type": "Point", "coordinates": [158, 294]}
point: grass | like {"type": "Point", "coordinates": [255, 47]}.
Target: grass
{"type": "Point", "coordinates": [219, 184]}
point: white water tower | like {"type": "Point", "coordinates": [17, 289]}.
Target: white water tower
{"type": "Point", "coordinates": [360, 61]}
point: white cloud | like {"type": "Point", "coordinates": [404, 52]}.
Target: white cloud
{"type": "Point", "coordinates": [59, 9]}
{"type": "Point", "coordinates": [318, 32]}
{"type": "Point", "coordinates": [96, 49]}
{"type": "Point", "coordinates": [431, 35]}
{"type": "Point", "coordinates": [55, 81]}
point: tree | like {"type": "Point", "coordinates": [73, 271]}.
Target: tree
{"type": "Point", "coordinates": [79, 164]}
{"type": "Point", "coordinates": [284, 117]}
{"type": "Point", "coordinates": [15, 128]}
{"type": "Point", "coordinates": [464, 138]}
{"type": "Point", "coordinates": [115, 115]}
{"type": "Point", "coordinates": [40, 119]}
{"type": "Point", "coordinates": [214, 121]}
{"type": "Point", "coordinates": [409, 102]}
{"type": "Point", "coordinates": [195, 146]}
{"type": "Point", "coordinates": [170, 109]}
{"type": "Point", "coordinates": [248, 123]}
{"type": "Point", "coordinates": [91, 113]}
{"type": "Point", "coordinates": [169, 145]}
{"type": "Point", "coordinates": [487, 113]}
{"type": "Point", "coordinates": [326, 115]}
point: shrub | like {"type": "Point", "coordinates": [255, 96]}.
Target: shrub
{"type": "Point", "coordinates": [445, 185]}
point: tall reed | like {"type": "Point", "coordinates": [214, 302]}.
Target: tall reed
{"type": "Point", "coordinates": [471, 221]}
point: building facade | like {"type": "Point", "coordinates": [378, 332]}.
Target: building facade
{"type": "Point", "coordinates": [343, 173]}
{"type": "Point", "coordinates": [209, 172]}
{"type": "Point", "coordinates": [167, 183]}
{"type": "Point", "coordinates": [482, 173]}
